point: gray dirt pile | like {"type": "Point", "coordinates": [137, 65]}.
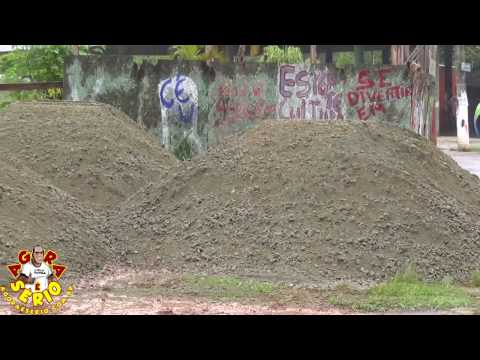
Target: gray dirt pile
{"type": "Point", "coordinates": [309, 202]}
{"type": "Point", "coordinates": [34, 212]}
{"type": "Point", "coordinates": [93, 151]}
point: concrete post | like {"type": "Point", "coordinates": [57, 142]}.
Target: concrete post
{"type": "Point", "coordinates": [463, 131]}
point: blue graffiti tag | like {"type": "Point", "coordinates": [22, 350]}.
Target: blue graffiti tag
{"type": "Point", "coordinates": [178, 91]}
{"type": "Point", "coordinates": [167, 104]}
{"type": "Point", "coordinates": [186, 118]}
{"type": "Point", "coordinates": [180, 98]}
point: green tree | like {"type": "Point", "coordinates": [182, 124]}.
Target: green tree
{"type": "Point", "coordinates": [344, 59]}
{"type": "Point", "coordinates": [196, 52]}
{"type": "Point", "coordinates": [290, 55]}
{"type": "Point", "coordinates": [472, 55]}
{"type": "Point", "coordinates": [31, 63]}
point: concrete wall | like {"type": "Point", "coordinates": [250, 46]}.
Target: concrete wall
{"type": "Point", "coordinates": [188, 99]}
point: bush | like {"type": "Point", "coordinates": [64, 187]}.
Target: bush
{"type": "Point", "coordinates": [184, 150]}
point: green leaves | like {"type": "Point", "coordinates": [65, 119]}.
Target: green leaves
{"type": "Point", "coordinates": [31, 63]}
{"type": "Point", "coordinates": [188, 52]}
{"type": "Point", "coordinates": [477, 112]}
{"type": "Point", "coordinates": [277, 55]}
{"type": "Point", "coordinates": [35, 63]}
{"type": "Point", "coordinates": [472, 55]}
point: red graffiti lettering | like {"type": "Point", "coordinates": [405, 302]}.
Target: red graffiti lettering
{"type": "Point", "coordinates": [393, 92]}
{"type": "Point", "coordinates": [362, 114]}
{"type": "Point", "coordinates": [220, 107]}
{"type": "Point", "coordinates": [271, 109]}
{"type": "Point", "coordinates": [364, 81]}
{"type": "Point", "coordinates": [222, 90]}
{"type": "Point", "coordinates": [382, 73]}
{"type": "Point", "coordinates": [352, 97]}
{"type": "Point", "coordinates": [371, 96]}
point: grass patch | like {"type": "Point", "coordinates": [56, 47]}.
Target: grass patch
{"type": "Point", "coordinates": [229, 287]}
{"type": "Point", "coordinates": [476, 278]}
{"type": "Point", "coordinates": [406, 292]}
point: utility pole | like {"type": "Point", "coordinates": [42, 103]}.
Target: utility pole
{"type": "Point", "coordinates": [448, 62]}
{"type": "Point", "coordinates": [463, 128]}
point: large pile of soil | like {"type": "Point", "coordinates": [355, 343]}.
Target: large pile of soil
{"type": "Point", "coordinates": [61, 163]}
{"type": "Point", "coordinates": [93, 151]}
{"type": "Point", "coordinates": [310, 202]}
{"type": "Point", "coordinates": [33, 212]}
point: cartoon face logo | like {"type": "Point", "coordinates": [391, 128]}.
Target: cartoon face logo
{"type": "Point", "coordinates": [35, 286]}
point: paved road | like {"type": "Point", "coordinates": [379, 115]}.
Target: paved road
{"type": "Point", "coordinates": [469, 160]}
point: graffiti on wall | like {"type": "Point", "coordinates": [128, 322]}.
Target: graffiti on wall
{"type": "Point", "coordinates": [308, 94]}
{"type": "Point", "coordinates": [374, 90]}
{"type": "Point", "coordinates": [177, 101]}
{"type": "Point", "coordinates": [179, 108]}
{"type": "Point", "coordinates": [322, 94]}
{"type": "Point", "coordinates": [241, 100]}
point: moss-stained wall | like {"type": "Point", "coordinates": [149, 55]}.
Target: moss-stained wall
{"type": "Point", "coordinates": [178, 100]}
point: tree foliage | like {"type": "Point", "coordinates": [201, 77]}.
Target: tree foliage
{"type": "Point", "coordinates": [32, 63]}
{"type": "Point", "coordinates": [277, 55]}
{"type": "Point", "coordinates": [196, 52]}
{"type": "Point", "coordinates": [472, 55]}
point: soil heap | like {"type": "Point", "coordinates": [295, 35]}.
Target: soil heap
{"type": "Point", "coordinates": [34, 212]}
{"type": "Point", "coordinates": [309, 202]}
{"type": "Point", "coordinates": [93, 151]}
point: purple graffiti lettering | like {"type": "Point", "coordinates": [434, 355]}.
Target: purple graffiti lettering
{"type": "Point", "coordinates": [165, 102]}
{"type": "Point", "coordinates": [303, 83]}
{"type": "Point", "coordinates": [284, 82]}
{"type": "Point", "coordinates": [179, 91]}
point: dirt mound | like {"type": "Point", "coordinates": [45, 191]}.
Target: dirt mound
{"type": "Point", "coordinates": [33, 212]}
{"type": "Point", "coordinates": [310, 202]}
{"type": "Point", "coordinates": [93, 151]}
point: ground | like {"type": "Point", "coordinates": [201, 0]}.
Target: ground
{"type": "Point", "coordinates": [126, 291]}
{"type": "Point", "coordinates": [469, 160]}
